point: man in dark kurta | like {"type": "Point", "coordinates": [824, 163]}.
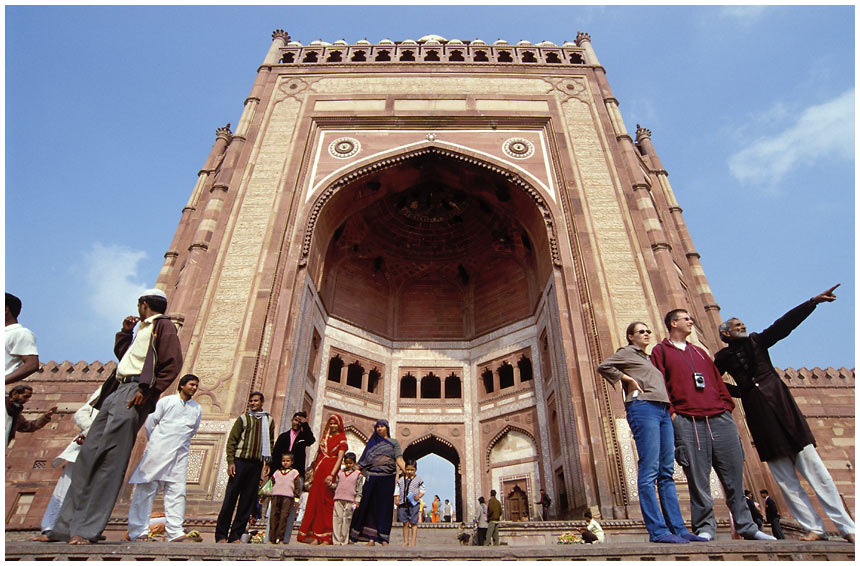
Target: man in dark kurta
{"type": "Point", "coordinates": [779, 430]}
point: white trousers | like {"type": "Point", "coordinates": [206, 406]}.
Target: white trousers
{"type": "Point", "coordinates": [52, 511]}
{"type": "Point", "coordinates": [809, 464]}
{"type": "Point", "coordinates": [141, 508]}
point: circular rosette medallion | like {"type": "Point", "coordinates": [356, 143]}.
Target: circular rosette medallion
{"type": "Point", "coordinates": [344, 148]}
{"type": "Point", "coordinates": [518, 148]}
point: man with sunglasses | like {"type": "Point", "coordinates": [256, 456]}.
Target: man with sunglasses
{"type": "Point", "coordinates": [779, 430]}
{"type": "Point", "coordinates": [706, 435]}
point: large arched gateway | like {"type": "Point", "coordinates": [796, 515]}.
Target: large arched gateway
{"type": "Point", "coordinates": [445, 234]}
{"type": "Point", "coordinates": [431, 270]}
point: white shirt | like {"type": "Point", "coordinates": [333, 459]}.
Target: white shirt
{"type": "Point", "coordinates": [169, 429]}
{"type": "Point", "coordinates": [84, 417]}
{"type": "Point", "coordinates": [596, 530]}
{"type": "Point", "coordinates": [19, 342]}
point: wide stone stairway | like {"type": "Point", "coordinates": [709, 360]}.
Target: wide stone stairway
{"type": "Point", "coordinates": [531, 541]}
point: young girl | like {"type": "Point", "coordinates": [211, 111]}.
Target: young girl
{"type": "Point", "coordinates": [285, 488]}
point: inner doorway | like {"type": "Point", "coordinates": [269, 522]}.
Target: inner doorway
{"type": "Point", "coordinates": [436, 452]}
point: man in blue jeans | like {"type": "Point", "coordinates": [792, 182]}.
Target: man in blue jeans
{"type": "Point", "coordinates": [647, 406]}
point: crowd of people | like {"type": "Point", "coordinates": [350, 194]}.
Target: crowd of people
{"type": "Point", "coordinates": [677, 405]}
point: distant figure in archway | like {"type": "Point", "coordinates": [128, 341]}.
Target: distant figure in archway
{"type": "Point", "coordinates": [434, 513]}
{"type": "Point", "coordinates": [379, 462]}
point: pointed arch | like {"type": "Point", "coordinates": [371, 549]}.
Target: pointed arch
{"type": "Point", "coordinates": [430, 148]}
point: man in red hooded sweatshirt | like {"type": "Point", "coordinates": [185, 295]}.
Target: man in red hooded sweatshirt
{"type": "Point", "coordinates": [706, 435]}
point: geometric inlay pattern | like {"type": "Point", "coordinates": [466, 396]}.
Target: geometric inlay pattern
{"type": "Point", "coordinates": [518, 148]}
{"type": "Point", "coordinates": [344, 148]}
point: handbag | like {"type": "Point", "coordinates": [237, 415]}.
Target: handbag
{"type": "Point", "coordinates": [266, 489]}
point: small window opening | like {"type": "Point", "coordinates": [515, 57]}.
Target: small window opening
{"type": "Point", "coordinates": [506, 375]}
{"type": "Point", "coordinates": [354, 371]}
{"type": "Point", "coordinates": [453, 388]}
{"type": "Point", "coordinates": [487, 376]}
{"type": "Point", "coordinates": [373, 380]}
{"type": "Point", "coordinates": [408, 387]}
{"type": "Point", "coordinates": [334, 366]}
{"type": "Point", "coordinates": [431, 387]}
{"type": "Point", "coordinates": [525, 366]}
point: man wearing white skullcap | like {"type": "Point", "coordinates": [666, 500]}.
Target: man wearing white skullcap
{"type": "Point", "coordinates": [149, 361]}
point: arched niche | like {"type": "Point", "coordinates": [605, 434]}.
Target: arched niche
{"type": "Point", "coordinates": [430, 246]}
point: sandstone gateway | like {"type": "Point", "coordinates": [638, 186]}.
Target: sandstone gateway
{"type": "Point", "coordinates": [447, 234]}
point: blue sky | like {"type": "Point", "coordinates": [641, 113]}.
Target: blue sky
{"type": "Point", "coordinates": [111, 111]}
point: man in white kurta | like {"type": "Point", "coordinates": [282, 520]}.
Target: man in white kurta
{"type": "Point", "coordinates": [165, 462]}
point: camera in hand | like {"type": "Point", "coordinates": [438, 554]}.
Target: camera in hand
{"type": "Point", "coordinates": [699, 380]}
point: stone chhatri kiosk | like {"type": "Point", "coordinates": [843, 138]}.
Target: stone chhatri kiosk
{"type": "Point", "coordinates": [447, 234]}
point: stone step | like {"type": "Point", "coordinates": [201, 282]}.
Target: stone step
{"type": "Point", "coordinates": [710, 551]}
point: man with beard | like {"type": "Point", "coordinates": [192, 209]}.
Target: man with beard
{"type": "Point", "coordinates": [779, 430]}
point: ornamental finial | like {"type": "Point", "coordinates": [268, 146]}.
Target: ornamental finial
{"type": "Point", "coordinates": [282, 34]}
{"type": "Point", "coordinates": [642, 133]}
{"type": "Point", "coordinates": [582, 37]}
{"type": "Point", "coordinates": [224, 132]}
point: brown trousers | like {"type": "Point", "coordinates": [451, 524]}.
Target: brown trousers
{"type": "Point", "coordinates": [281, 506]}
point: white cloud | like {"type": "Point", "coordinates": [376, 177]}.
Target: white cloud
{"type": "Point", "coordinates": [112, 281]}
{"type": "Point", "coordinates": [824, 131]}
{"type": "Point", "coordinates": [743, 15]}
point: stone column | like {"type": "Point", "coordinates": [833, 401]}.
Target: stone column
{"type": "Point", "coordinates": [712, 309]}
{"type": "Point", "coordinates": [222, 138]}
{"type": "Point", "coordinates": [583, 40]}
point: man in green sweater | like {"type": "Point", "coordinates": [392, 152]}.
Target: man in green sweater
{"type": "Point", "coordinates": [249, 448]}
{"type": "Point", "coordinates": [494, 514]}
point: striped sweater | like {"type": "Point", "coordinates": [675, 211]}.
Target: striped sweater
{"type": "Point", "coordinates": [246, 439]}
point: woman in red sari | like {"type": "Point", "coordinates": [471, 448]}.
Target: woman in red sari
{"type": "Point", "coordinates": [317, 522]}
